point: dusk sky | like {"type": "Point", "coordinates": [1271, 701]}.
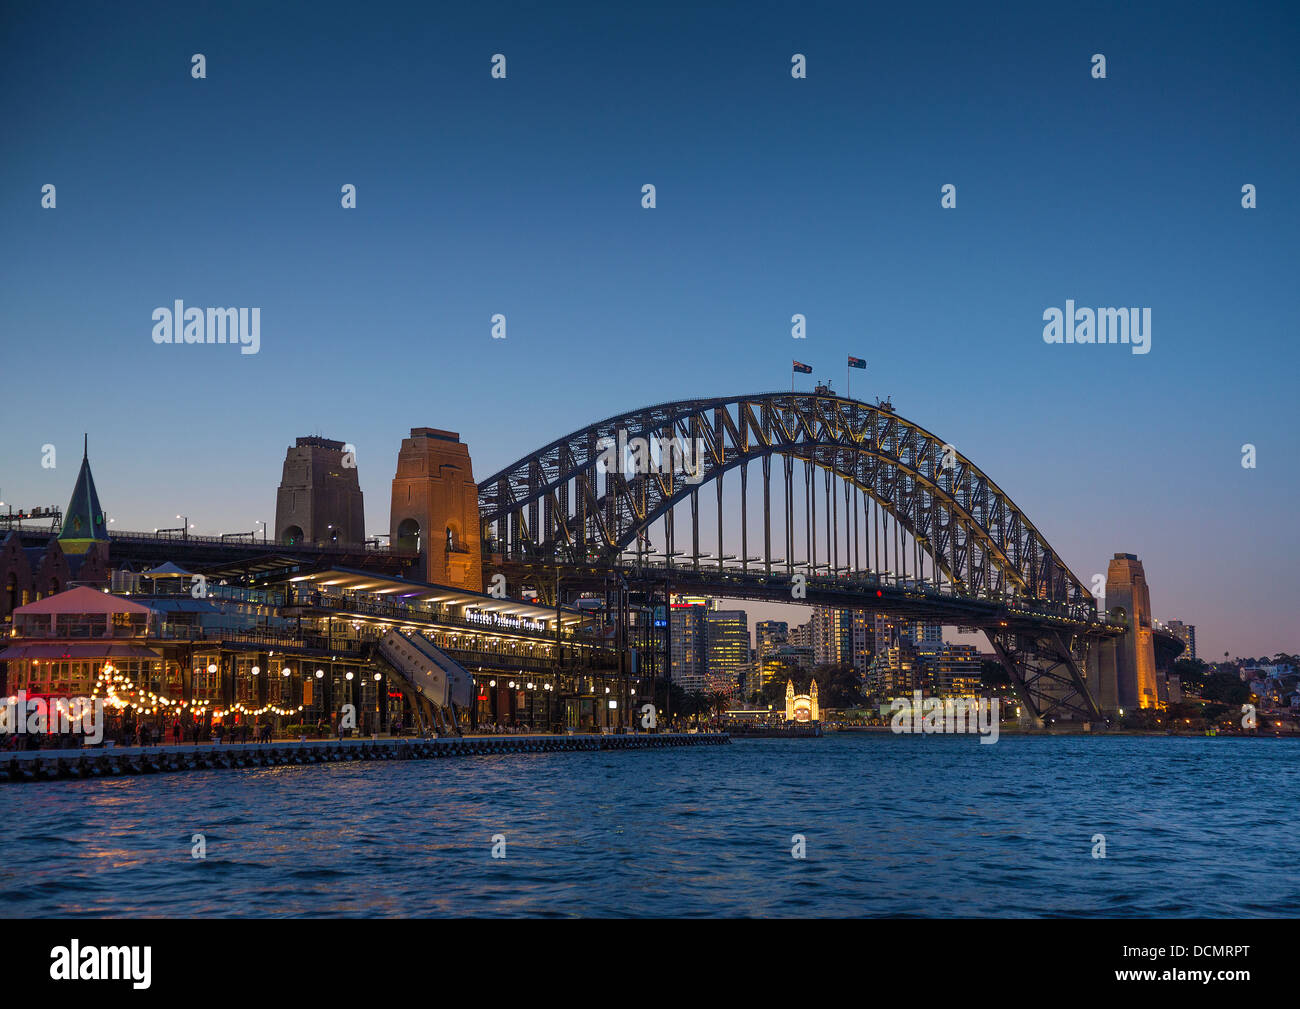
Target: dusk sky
{"type": "Point", "coordinates": [775, 196]}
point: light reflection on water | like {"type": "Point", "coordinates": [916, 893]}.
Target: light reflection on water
{"type": "Point", "coordinates": [895, 825]}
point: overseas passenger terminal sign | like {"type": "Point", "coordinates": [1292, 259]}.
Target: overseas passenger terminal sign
{"type": "Point", "coordinates": [504, 621]}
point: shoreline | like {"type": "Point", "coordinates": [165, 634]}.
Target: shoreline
{"type": "Point", "coordinates": [113, 762]}
{"type": "Point", "coordinates": [1016, 730]}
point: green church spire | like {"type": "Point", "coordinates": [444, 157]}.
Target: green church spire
{"type": "Point", "coordinates": [83, 522]}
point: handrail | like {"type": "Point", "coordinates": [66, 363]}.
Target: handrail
{"type": "Point", "coordinates": [266, 546]}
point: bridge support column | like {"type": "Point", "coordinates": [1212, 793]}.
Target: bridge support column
{"type": "Point", "coordinates": [1047, 674]}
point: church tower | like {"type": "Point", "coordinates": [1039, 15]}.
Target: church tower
{"type": "Point", "coordinates": [83, 523]}
{"type": "Point", "coordinates": [435, 508]}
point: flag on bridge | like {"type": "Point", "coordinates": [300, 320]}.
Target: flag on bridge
{"type": "Point", "coordinates": [802, 369]}
{"type": "Point", "coordinates": [854, 362]}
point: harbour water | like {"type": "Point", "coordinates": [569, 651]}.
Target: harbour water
{"type": "Point", "coordinates": [893, 825]}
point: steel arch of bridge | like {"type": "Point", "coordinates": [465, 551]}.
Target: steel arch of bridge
{"type": "Point", "coordinates": [559, 503]}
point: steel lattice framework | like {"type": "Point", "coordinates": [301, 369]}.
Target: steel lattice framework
{"type": "Point", "coordinates": [566, 501]}
{"type": "Point", "coordinates": [588, 502]}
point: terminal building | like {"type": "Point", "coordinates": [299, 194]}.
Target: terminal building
{"type": "Point", "coordinates": [283, 642]}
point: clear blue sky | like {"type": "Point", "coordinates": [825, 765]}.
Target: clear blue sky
{"type": "Point", "coordinates": [775, 196]}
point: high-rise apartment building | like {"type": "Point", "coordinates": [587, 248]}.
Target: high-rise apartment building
{"type": "Point", "coordinates": [894, 672]}
{"type": "Point", "coordinates": [1187, 634]}
{"type": "Point", "coordinates": [832, 636]}
{"type": "Point", "coordinates": [886, 632]}
{"type": "Point", "coordinates": [768, 634]}
{"type": "Point", "coordinates": [687, 633]}
{"type": "Point", "coordinates": [726, 646]}
{"type": "Point", "coordinates": [954, 670]}
{"type": "Point", "coordinates": [863, 640]}
{"type": "Point", "coordinates": [924, 635]}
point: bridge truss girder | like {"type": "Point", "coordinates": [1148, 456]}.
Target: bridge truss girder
{"type": "Point", "coordinates": [561, 503]}
{"type": "Point", "coordinates": [1047, 672]}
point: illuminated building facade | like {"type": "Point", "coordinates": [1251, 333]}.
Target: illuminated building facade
{"type": "Point", "coordinates": [769, 635]}
{"type": "Point", "coordinates": [292, 650]}
{"type": "Point", "coordinates": [689, 643]}
{"type": "Point", "coordinates": [434, 508]}
{"type": "Point", "coordinates": [801, 707]}
{"type": "Point", "coordinates": [832, 636]}
{"type": "Point", "coordinates": [953, 670]}
{"type": "Point", "coordinates": [726, 644]}
{"type": "Point", "coordinates": [895, 671]}
{"type": "Point", "coordinates": [1187, 634]}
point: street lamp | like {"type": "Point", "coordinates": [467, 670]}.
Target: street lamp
{"type": "Point", "coordinates": [263, 525]}
{"type": "Point", "coordinates": [185, 525]}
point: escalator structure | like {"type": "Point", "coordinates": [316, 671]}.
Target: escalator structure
{"type": "Point", "coordinates": [438, 685]}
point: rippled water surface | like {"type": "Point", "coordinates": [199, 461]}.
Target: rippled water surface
{"type": "Point", "coordinates": [895, 825]}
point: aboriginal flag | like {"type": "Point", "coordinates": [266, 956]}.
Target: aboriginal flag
{"type": "Point", "coordinates": [802, 369]}
{"type": "Point", "coordinates": [857, 362]}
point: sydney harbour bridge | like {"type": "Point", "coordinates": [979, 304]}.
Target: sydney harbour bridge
{"type": "Point", "coordinates": [801, 497]}
{"type": "Point", "coordinates": [819, 499]}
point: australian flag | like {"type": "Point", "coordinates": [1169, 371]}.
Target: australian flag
{"type": "Point", "coordinates": [857, 362]}
{"type": "Point", "coordinates": [802, 369]}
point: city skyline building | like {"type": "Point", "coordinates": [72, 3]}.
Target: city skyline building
{"type": "Point", "coordinates": [726, 646]}
{"type": "Point", "coordinates": [1187, 634]}
{"type": "Point", "coordinates": [923, 634]}
{"type": "Point", "coordinates": [832, 636]}
{"type": "Point", "coordinates": [689, 643]}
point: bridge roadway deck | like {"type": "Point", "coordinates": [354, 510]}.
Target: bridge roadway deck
{"type": "Point", "coordinates": [118, 761]}
{"type": "Point", "coordinates": [876, 594]}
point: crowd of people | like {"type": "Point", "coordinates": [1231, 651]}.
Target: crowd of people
{"type": "Point", "coordinates": [196, 732]}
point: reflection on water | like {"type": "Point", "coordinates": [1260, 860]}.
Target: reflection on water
{"type": "Point", "coordinates": [895, 825]}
